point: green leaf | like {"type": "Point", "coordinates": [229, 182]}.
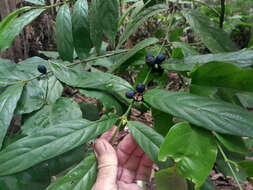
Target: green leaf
{"type": "Point", "coordinates": [148, 140]}
{"type": "Point", "coordinates": [13, 27]}
{"type": "Point", "coordinates": [103, 18]}
{"type": "Point", "coordinates": [8, 102]}
{"type": "Point", "coordinates": [246, 99]}
{"type": "Point", "coordinates": [64, 109]}
{"type": "Point", "coordinates": [90, 112]}
{"type": "Point", "coordinates": [39, 176]}
{"type": "Point", "coordinates": [169, 179]}
{"type": "Point", "coordinates": [233, 143]}
{"type": "Point", "coordinates": [7, 22]}
{"type": "Point", "coordinates": [24, 70]}
{"type": "Point", "coordinates": [81, 29]}
{"type": "Point", "coordinates": [247, 166]}
{"type": "Point", "coordinates": [211, 114]}
{"type": "Point", "coordinates": [83, 176]}
{"type": "Point", "coordinates": [36, 2]}
{"type": "Point", "coordinates": [109, 13]}
{"type": "Point", "coordinates": [187, 50]}
{"type": "Point", "coordinates": [109, 102]}
{"type": "Point", "coordinates": [50, 142]}
{"type": "Point", "coordinates": [243, 58]}
{"type": "Point", "coordinates": [92, 80]}
{"type": "Point", "coordinates": [143, 44]}
{"type": "Point", "coordinates": [215, 39]}
{"type": "Point", "coordinates": [50, 54]}
{"type": "Point", "coordinates": [162, 121]}
{"type": "Point", "coordinates": [193, 149]}
{"type": "Point", "coordinates": [64, 36]}
{"type": "Point", "coordinates": [34, 94]}
{"type": "Point", "coordinates": [224, 75]}
{"type": "Point", "coordinates": [142, 17]}
{"type": "Point", "coordinates": [96, 31]}
{"type": "Point", "coordinates": [55, 90]}
{"type": "Point", "coordinates": [175, 34]}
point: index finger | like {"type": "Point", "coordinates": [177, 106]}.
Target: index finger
{"type": "Point", "coordinates": [108, 135]}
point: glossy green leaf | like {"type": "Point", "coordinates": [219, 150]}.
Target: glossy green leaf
{"type": "Point", "coordinates": [91, 80]}
{"type": "Point", "coordinates": [81, 29]}
{"type": "Point", "coordinates": [187, 50]}
{"type": "Point", "coordinates": [142, 17]}
{"type": "Point", "coordinates": [193, 149]}
{"type": "Point", "coordinates": [36, 2]}
{"type": "Point", "coordinates": [34, 94]}
{"type": "Point", "coordinates": [12, 26]}
{"type": "Point", "coordinates": [233, 143]}
{"type": "Point", "coordinates": [246, 99]}
{"type": "Point", "coordinates": [148, 140]}
{"type": "Point", "coordinates": [211, 114]}
{"type": "Point", "coordinates": [215, 39]}
{"type": "Point", "coordinates": [81, 177]}
{"type": "Point", "coordinates": [50, 142]}
{"type": "Point", "coordinates": [169, 179]}
{"type": "Point", "coordinates": [50, 54]}
{"type": "Point", "coordinates": [247, 166]}
{"type": "Point", "coordinates": [103, 18]}
{"type": "Point", "coordinates": [64, 109]}
{"type": "Point", "coordinates": [243, 58]}
{"type": "Point", "coordinates": [24, 70]}
{"type": "Point", "coordinates": [96, 31]}
{"type": "Point", "coordinates": [39, 176]}
{"type": "Point", "coordinates": [162, 121]}
{"type": "Point", "coordinates": [64, 36]}
{"type": "Point", "coordinates": [224, 75]}
{"type": "Point", "coordinates": [109, 102]}
{"type": "Point", "coordinates": [54, 91]}
{"type": "Point", "coordinates": [90, 112]}
{"type": "Point", "coordinates": [8, 102]}
{"type": "Point", "coordinates": [143, 44]}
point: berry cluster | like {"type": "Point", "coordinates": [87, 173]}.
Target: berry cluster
{"type": "Point", "coordinates": [155, 62]}
{"type": "Point", "coordinates": [140, 88]}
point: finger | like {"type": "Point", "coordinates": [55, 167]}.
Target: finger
{"type": "Point", "coordinates": [145, 168]}
{"type": "Point", "coordinates": [127, 169]}
{"type": "Point", "coordinates": [125, 148]}
{"type": "Point", "coordinates": [124, 186]}
{"type": "Point", "coordinates": [107, 165]}
{"type": "Point", "coordinates": [108, 135]}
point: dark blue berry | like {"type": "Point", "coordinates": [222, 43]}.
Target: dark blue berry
{"type": "Point", "coordinates": [42, 69]}
{"type": "Point", "coordinates": [150, 60]}
{"type": "Point", "coordinates": [140, 87]}
{"type": "Point", "coordinates": [130, 94]}
{"type": "Point", "coordinates": [159, 59]}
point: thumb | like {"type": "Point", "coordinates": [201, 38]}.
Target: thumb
{"type": "Point", "coordinates": [107, 166]}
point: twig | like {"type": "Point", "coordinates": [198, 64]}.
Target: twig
{"type": "Point", "coordinates": [229, 165]}
{"type": "Point", "coordinates": [69, 65]}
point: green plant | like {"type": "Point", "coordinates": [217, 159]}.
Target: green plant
{"type": "Point", "coordinates": [196, 129]}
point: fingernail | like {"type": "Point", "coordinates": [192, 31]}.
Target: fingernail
{"type": "Point", "coordinates": [100, 147]}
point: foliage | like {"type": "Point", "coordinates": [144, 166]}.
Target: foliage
{"type": "Point", "coordinates": [193, 130]}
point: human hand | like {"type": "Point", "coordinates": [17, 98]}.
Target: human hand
{"type": "Point", "coordinates": [119, 169]}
